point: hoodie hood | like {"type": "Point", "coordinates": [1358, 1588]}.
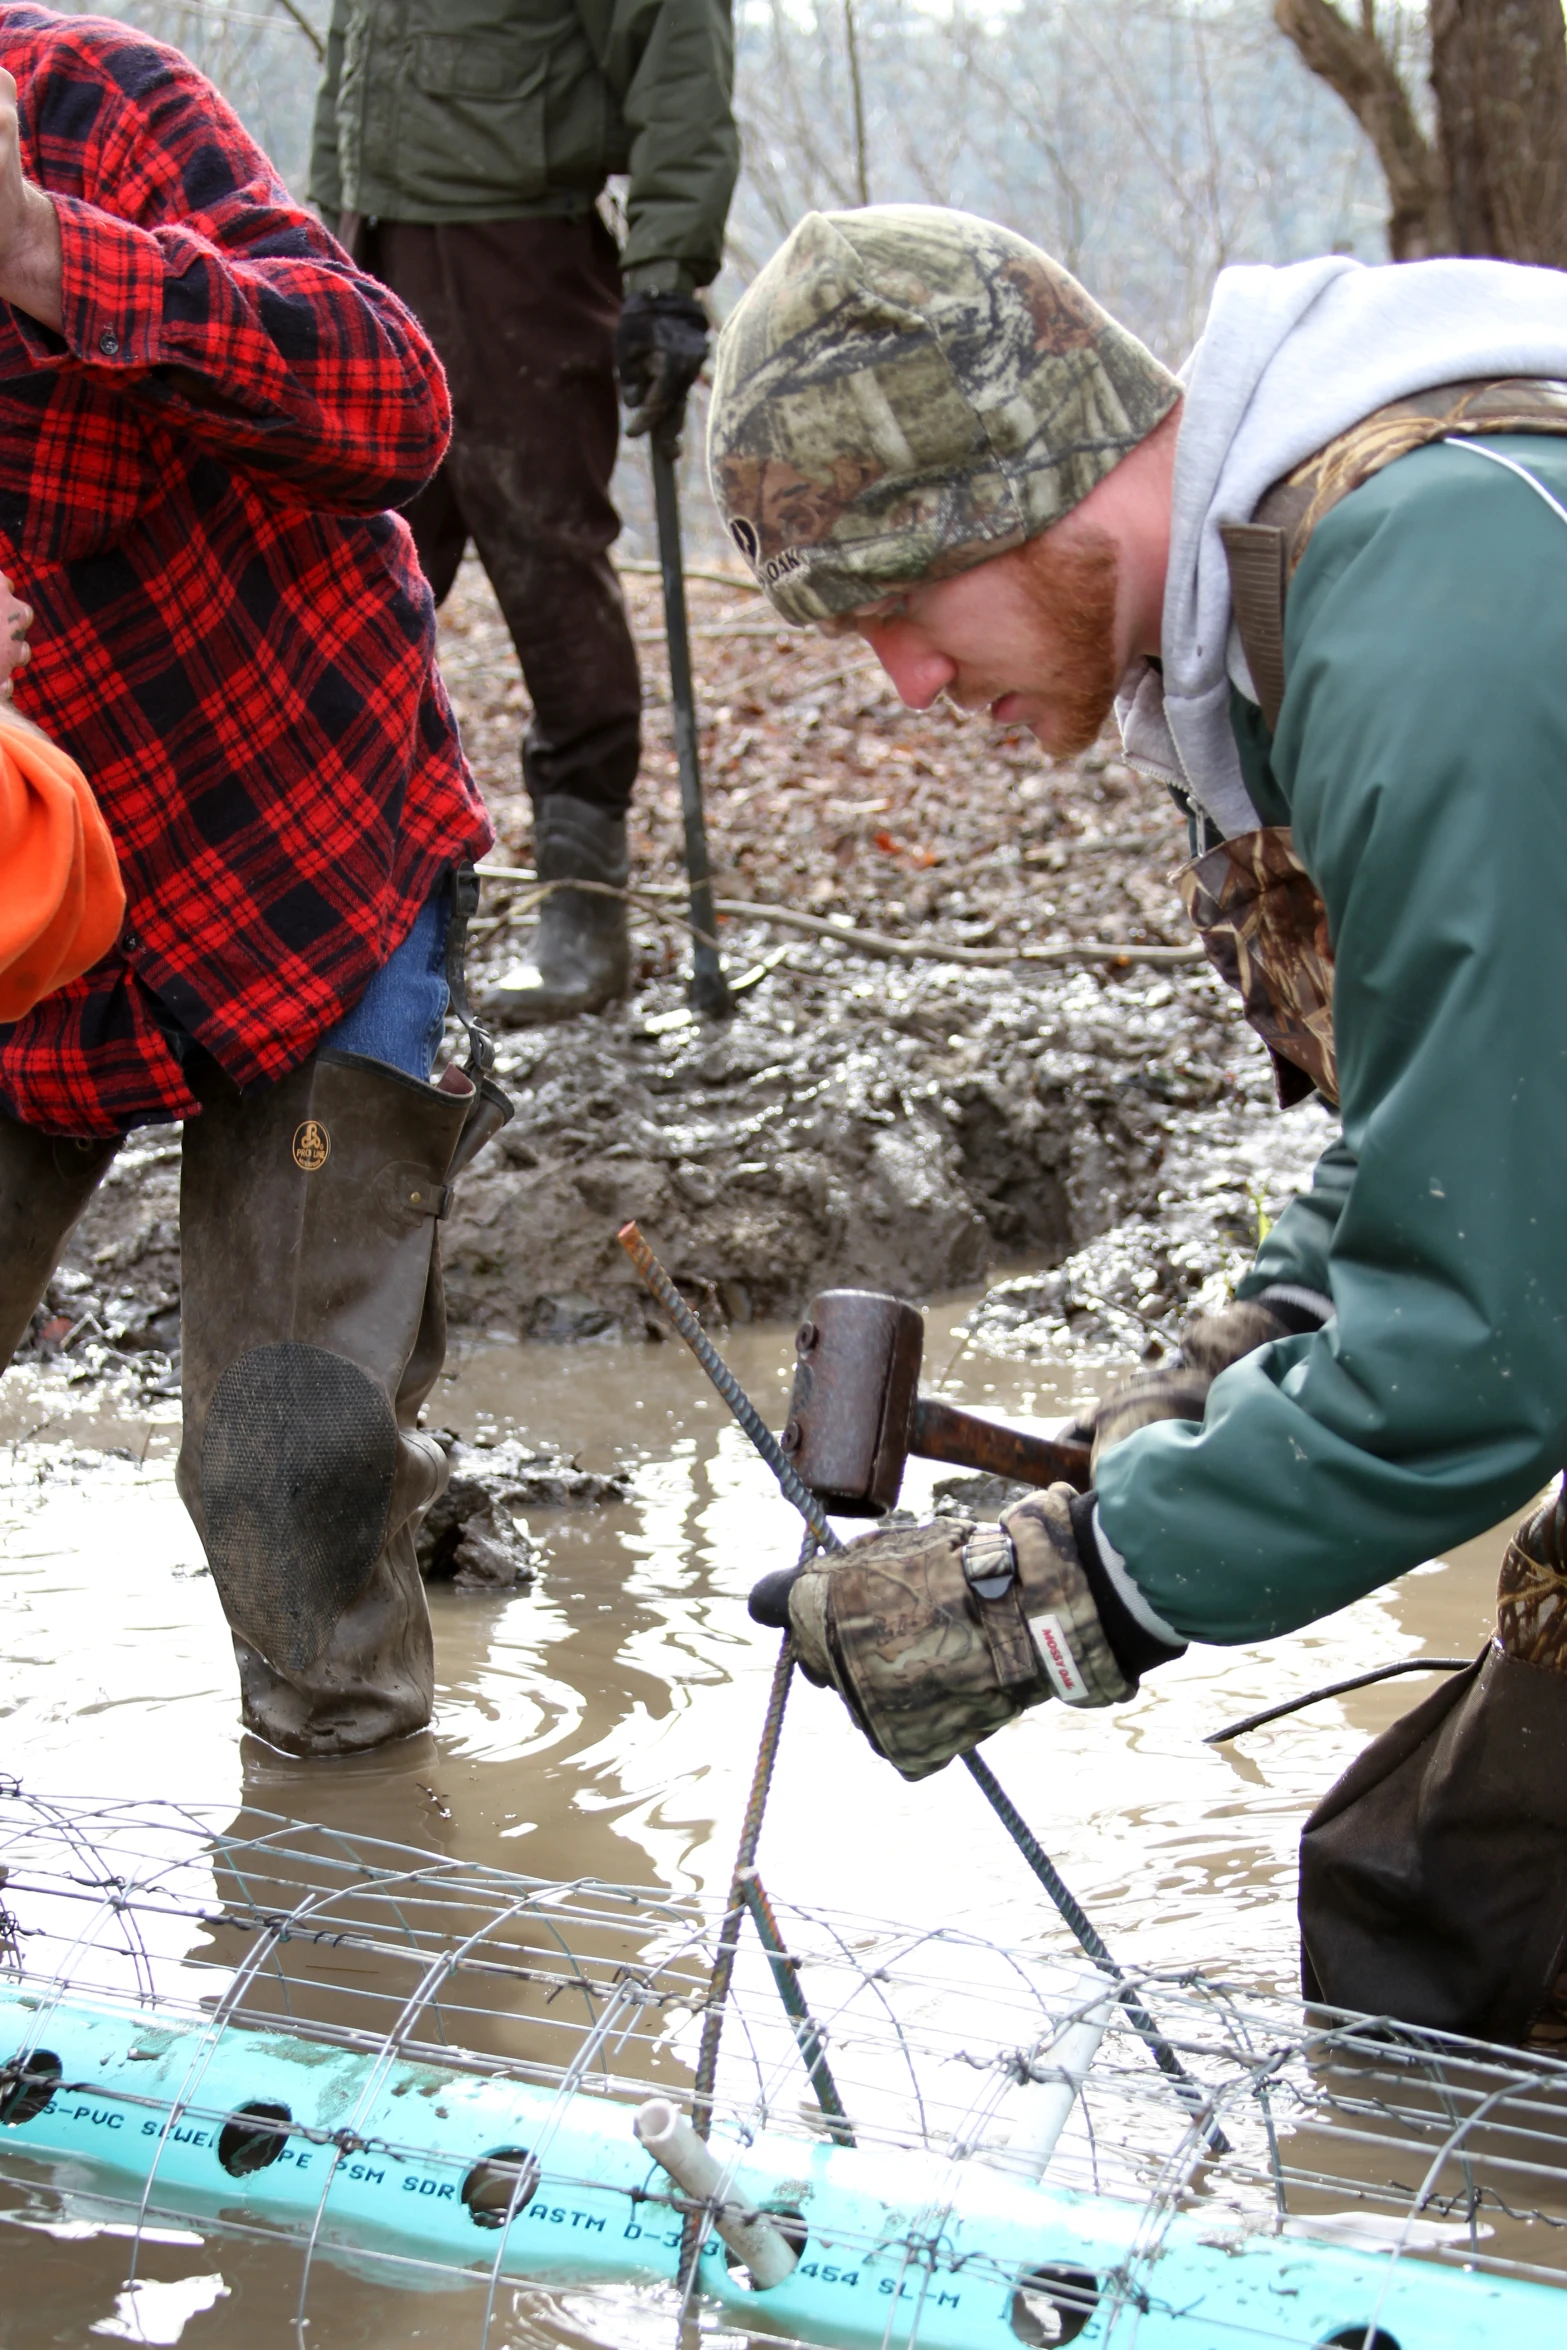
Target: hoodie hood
{"type": "Point", "coordinates": [1288, 359]}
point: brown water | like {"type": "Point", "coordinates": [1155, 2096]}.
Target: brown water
{"type": "Point", "coordinates": [605, 1723]}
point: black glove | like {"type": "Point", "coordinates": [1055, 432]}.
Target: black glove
{"type": "Point", "coordinates": [1178, 1389]}
{"type": "Point", "coordinates": [934, 1636]}
{"type": "Point", "coordinates": [660, 350]}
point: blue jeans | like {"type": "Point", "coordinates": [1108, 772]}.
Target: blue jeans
{"type": "Point", "coordinates": [400, 1016]}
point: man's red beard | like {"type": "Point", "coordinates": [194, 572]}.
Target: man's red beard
{"type": "Point", "coordinates": [1071, 587]}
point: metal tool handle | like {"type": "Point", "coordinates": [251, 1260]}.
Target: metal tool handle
{"type": "Point", "coordinates": [940, 1432]}
{"type": "Point", "coordinates": [709, 988]}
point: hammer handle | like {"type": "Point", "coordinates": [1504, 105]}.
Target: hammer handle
{"type": "Point", "coordinates": [940, 1432]}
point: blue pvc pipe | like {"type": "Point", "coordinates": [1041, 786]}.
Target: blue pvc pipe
{"type": "Point", "coordinates": [903, 2246]}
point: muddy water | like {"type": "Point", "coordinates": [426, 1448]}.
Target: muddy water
{"type": "Point", "coordinates": [604, 1723]}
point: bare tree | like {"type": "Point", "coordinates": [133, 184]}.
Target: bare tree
{"type": "Point", "coordinates": [1491, 178]}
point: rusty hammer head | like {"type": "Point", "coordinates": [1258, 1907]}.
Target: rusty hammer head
{"type": "Point", "coordinates": [854, 1388]}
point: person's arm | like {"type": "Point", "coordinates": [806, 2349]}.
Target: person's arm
{"type": "Point", "coordinates": [1422, 744]}
{"type": "Point", "coordinates": [1292, 1262]}
{"type": "Point", "coordinates": [194, 288]}
{"type": "Point", "coordinates": [670, 64]}
{"type": "Point", "coordinates": [326, 171]}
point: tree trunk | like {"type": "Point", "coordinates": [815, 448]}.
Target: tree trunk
{"type": "Point", "coordinates": [1352, 61]}
{"type": "Point", "coordinates": [1499, 71]}
{"type": "Point", "coordinates": [1495, 181]}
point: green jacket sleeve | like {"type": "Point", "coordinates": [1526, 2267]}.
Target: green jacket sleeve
{"type": "Point", "coordinates": [1422, 747]}
{"type": "Point", "coordinates": [326, 176]}
{"type": "Point", "coordinates": [670, 65]}
{"type": "Point", "coordinates": [1295, 1253]}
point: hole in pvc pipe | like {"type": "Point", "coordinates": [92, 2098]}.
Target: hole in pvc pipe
{"type": "Point", "coordinates": [252, 2137]}
{"type": "Point", "coordinates": [26, 2088]}
{"type": "Point", "coordinates": [1362, 2337]}
{"type": "Point", "coordinates": [790, 2223]}
{"type": "Point", "coordinates": [500, 2186]}
{"type": "Point", "coordinates": [1053, 2304]}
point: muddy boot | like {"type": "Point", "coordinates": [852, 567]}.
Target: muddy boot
{"type": "Point", "coordinates": [581, 957]}
{"type": "Point", "coordinates": [313, 1329]}
{"type": "Point", "coordinates": [45, 1183]}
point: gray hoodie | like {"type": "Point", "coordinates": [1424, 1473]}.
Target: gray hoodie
{"type": "Point", "coordinates": [1288, 359]}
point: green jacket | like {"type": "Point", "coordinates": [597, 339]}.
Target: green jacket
{"type": "Point", "coordinates": [454, 110]}
{"type": "Point", "coordinates": [1421, 759]}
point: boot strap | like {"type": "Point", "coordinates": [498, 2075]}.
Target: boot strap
{"type": "Point", "coordinates": [492, 1106]}
{"type": "Point", "coordinates": [405, 1188]}
{"type": "Point", "coordinates": [464, 906]}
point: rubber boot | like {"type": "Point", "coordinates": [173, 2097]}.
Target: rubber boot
{"type": "Point", "coordinates": [581, 957]}
{"type": "Point", "coordinates": [314, 1326]}
{"type": "Point", "coordinates": [45, 1182]}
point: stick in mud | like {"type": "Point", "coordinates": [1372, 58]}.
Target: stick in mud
{"type": "Point", "coordinates": [709, 989]}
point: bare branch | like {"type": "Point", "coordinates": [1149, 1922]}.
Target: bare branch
{"type": "Point", "coordinates": [861, 165]}
{"type": "Point", "coordinates": [1352, 60]}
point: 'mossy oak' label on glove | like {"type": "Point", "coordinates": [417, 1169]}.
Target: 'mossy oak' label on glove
{"type": "Point", "coordinates": [1060, 1664]}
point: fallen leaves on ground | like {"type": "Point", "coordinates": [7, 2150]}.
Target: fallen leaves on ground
{"type": "Point", "coordinates": [824, 793]}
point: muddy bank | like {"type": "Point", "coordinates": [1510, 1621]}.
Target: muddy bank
{"type": "Point", "coordinates": [910, 1130]}
{"type": "Point", "coordinates": [906, 1131]}
{"type": "Point", "coordinates": [1108, 1133]}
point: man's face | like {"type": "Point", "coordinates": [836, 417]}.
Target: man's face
{"type": "Point", "coordinates": [1031, 636]}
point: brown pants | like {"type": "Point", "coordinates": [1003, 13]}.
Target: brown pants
{"type": "Point", "coordinates": [522, 314]}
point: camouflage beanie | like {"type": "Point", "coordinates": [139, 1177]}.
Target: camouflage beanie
{"type": "Point", "coordinates": [905, 391]}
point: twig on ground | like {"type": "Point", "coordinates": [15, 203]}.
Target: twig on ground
{"type": "Point", "coordinates": [863, 942]}
{"type": "Point", "coordinates": [728, 579]}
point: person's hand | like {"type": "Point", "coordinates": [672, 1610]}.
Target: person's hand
{"type": "Point", "coordinates": [934, 1636]}
{"type": "Point", "coordinates": [660, 350]}
{"type": "Point", "coordinates": [31, 269]}
{"type": "Point", "coordinates": [1178, 1390]}
{"type": "Point", "coordinates": [16, 618]}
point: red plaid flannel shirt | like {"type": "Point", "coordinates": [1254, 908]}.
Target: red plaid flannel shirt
{"type": "Point", "coordinates": [232, 636]}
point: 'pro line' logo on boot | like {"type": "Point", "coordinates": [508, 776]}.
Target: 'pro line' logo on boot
{"type": "Point", "coordinates": [312, 1146]}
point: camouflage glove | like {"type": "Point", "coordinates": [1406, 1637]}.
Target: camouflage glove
{"type": "Point", "coordinates": [660, 350]}
{"type": "Point", "coordinates": [1531, 1593]}
{"type": "Point", "coordinates": [1178, 1390]}
{"type": "Point", "coordinates": [934, 1636]}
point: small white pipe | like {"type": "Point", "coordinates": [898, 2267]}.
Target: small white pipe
{"type": "Point", "coordinates": [672, 2142]}
{"type": "Point", "coordinates": [1047, 2104]}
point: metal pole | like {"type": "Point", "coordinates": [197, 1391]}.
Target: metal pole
{"type": "Point", "coordinates": [658, 1284]}
{"type": "Point", "coordinates": [1189, 2091]}
{"type": "Point", "coordinates": [709, 988]}
{"type": "Point", "coordinates": [806, 2034]}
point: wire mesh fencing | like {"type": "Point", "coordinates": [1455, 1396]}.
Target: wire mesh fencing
{"type": "Point", "coordinates": [396, 2069]}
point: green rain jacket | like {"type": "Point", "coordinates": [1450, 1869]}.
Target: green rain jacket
{"type": "Point", "coordinates": [469, 110]}
{"type": "Point", "coordinates": [1421, 759]}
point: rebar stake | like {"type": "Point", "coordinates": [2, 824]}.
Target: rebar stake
{"type": "Point", "coordinates": [659, 1284]}
{"type": "Point", "coordinates": [785, 1975]}
{"type": "Point", "coordinates": [1093, 1943]}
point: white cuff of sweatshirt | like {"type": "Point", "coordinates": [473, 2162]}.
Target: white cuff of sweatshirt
{"type": "Point", "coordinates": [1140, 1609]}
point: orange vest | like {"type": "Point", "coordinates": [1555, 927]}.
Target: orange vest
{"type": "Point", "coordinates": [61, 897]}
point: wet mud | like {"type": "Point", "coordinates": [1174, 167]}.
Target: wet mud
{"type": "Point", "coordinates": [1108, 1133]}
{"type": "Point", "coordinates": [602, 1720]}
{"type": "Point", "coordinates": [916, 1130]}
{"type": "Point", "coordinates": [1062, 1162]}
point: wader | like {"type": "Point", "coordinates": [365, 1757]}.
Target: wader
{"type": "Point", "coordinates": [313, 1327]}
